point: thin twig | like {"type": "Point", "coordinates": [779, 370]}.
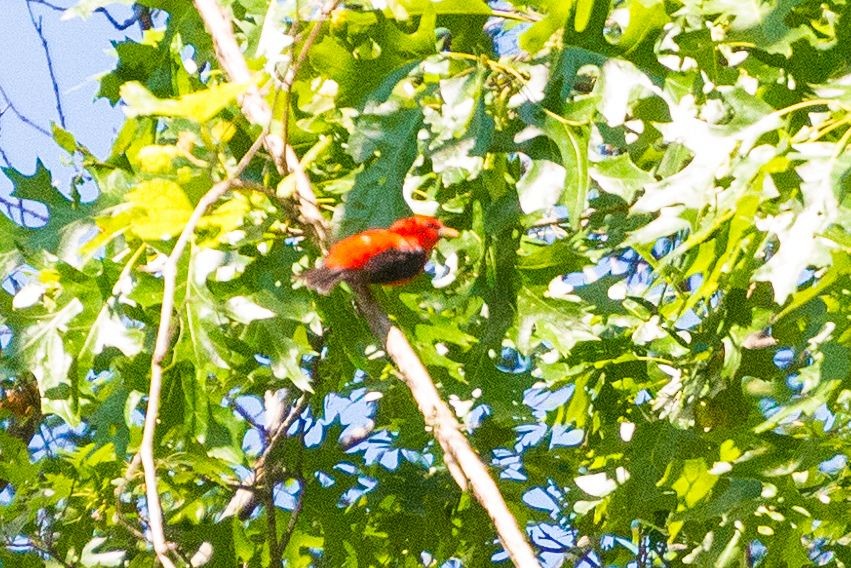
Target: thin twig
{"type": "Point", "coordinates": [292, 72]}
{"type": "Point", "coordinates": [39, 29]}
{"type": "Point", "coordinates": [5, 158]}
{"type": "Point", "coordinates": [460, 457]}
{"type": "Point", "coordinates": [120, 26]}
{"type": "Point", "coordinates": [143, 15]}
{"type": "Point", "coordinates": [119, 491]}
{"type": "Point", "coordinates": [244, 500]}
{"type": "Point", "coordinates": [252, 421]}
{"type": "Point", "coordinates": [272, 525]}
{"type": "Point", "coordinates": [161, 348]}
{"type": "Point", "coordinates": [22, 117]}
{"type": "Point", "coordinates": [48, 5]}
{"type": "Point", "coordinates": [19, 205]}
{"type": "Point", "coordinates": [299, 505]}
{"type": "Point", "coordinates": [524, 17]}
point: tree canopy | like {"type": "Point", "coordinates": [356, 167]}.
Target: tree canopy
{"type": "Point", "coordinates": [643, 331]}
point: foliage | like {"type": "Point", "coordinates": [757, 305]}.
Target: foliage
{"type": "Point", "coordinates": [645, 323]}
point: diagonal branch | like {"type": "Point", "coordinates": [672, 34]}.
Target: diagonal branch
{"type": "Point", "coordinates": [292, 72]}
{"type": "Point", "coordinates": [21, 116]}
{"type": "Point", "coordinates": [257, 110]}
{"type": "Point", "coordinates": [39, 29]}
{"type": "Point", "coordinates": [161, 349]}
{"type": "Point", "coordinates": [465, 465]}
{"type": "Point", "coordinates": [245, 498]}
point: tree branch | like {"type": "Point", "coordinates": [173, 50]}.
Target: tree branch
{"type": "Point", "coordinates": [22, 117]}
{"type": "Point", "coordinates": [292, 72]}
{"type": "Point", "coordinates": [461, 459]}
{"type": "Point", "coordinates": [294, 514]}
{"type": "Point", "coordinates": [257, 111]}
{"type": "Point", "coordinates": [463, 462]}
{"type": "Point", "coordinates": [39, 29]}
{"type": "Point", "coordinates": [161, 348]}
{"type": "Point", "coordinates": [245, 498]}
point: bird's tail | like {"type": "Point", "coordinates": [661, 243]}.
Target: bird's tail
{"type": "Point", "coordinates": [323, 279]}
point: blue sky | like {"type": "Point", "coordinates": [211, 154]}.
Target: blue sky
{"type": "Point", "coordinates": [80, 50]}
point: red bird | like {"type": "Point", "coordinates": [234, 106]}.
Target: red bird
{"type": "Point", "coordinates": [380, 256]}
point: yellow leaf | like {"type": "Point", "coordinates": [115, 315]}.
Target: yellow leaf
{"type": "Point", "coordinates": [200, 106]}
{"type": "Point", "coordinates": [160, 209]}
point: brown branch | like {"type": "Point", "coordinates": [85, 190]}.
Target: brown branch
{"type": "Point", "coordinates": [245, 498]}
{"type": "Point", "coordinates": [460, 457]}
{"type": "Point", "coordinates": [272, 525]}
{"type": "Point", "coordinates": [161, 349]}
{"type": "Point", "coordinates": [465, 465]}
{"type": "Point", "coordinates": [294, 514]}
{"type": "Point", "coordinates": [255, 108]}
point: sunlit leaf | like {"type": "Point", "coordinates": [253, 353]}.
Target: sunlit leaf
{"type": "Point", "coordinates": [199, 106]}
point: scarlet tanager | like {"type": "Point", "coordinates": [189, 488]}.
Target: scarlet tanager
{"type": "Point", "coordinates": [380, 256]}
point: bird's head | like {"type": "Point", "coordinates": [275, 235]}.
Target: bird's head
{"type": "Point", "coordinates": [424, 229]}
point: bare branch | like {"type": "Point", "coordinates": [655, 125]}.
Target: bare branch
{"type": "Point", "coordinates": [22, 117]}
{"type": "Point", "coordinates": [16, 204]}
{"type": "Point", "coordinates": [120, 26]}
{"type": "Point", "coordinates": [252, 421]}
{"type": "Point", "coordinates": [272, 526]}
{"type": "Point", "coordinates": [39, 29]}
{"type": "Point", "coordinates": [47, 4]}
{"type": "Point", "coordinates": [143, 15]}
{"type": "Point", "coordinates": [5, 158]}
{"type": "Point", "coordinates": [245, 498]}
{"type": "Point", "coordinates": [460, 457]}
{"type": "Point", "coordinates": [161, 348]}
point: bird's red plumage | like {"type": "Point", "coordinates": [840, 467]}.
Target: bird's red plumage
{"type": "Point", "coordinates": [388, 256]}
{"type": "Point", "coordinates": [354, 252]}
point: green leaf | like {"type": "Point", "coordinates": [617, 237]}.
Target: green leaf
{"type": "Point", "coordinates": [90, 556]}
{"type": "Point", "coordinates": [67, 222]}
{"type": "Point", "coordinates": [283, 351]}
{"type": "Point", "coordinates": [541, 186]}
{"type": "Point", "coordinates": [64, 139]}
{"type": "Point", "coordinates": [620, 176]}
{"type": "Point", "coordinates": [376, 200]}
{"type": "Point", "coordinates": [693, 482]}
{"type": "Point", "coordinates": [41, 348]}
{"type": "Point", "coordinates": [572, 143]}
{"type": "Point", "coordinates": [542, 319]}
{"type": "Point", "coordinates": [199, 106]}
{"type": "Point", "coordinates": [446, 7]}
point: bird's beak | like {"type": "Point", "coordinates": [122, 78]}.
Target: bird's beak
{"type": "Point", "coordinates": [448, 232]}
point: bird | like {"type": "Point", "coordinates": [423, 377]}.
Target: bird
{"type": "Point", "coordinates": [393, 255]}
